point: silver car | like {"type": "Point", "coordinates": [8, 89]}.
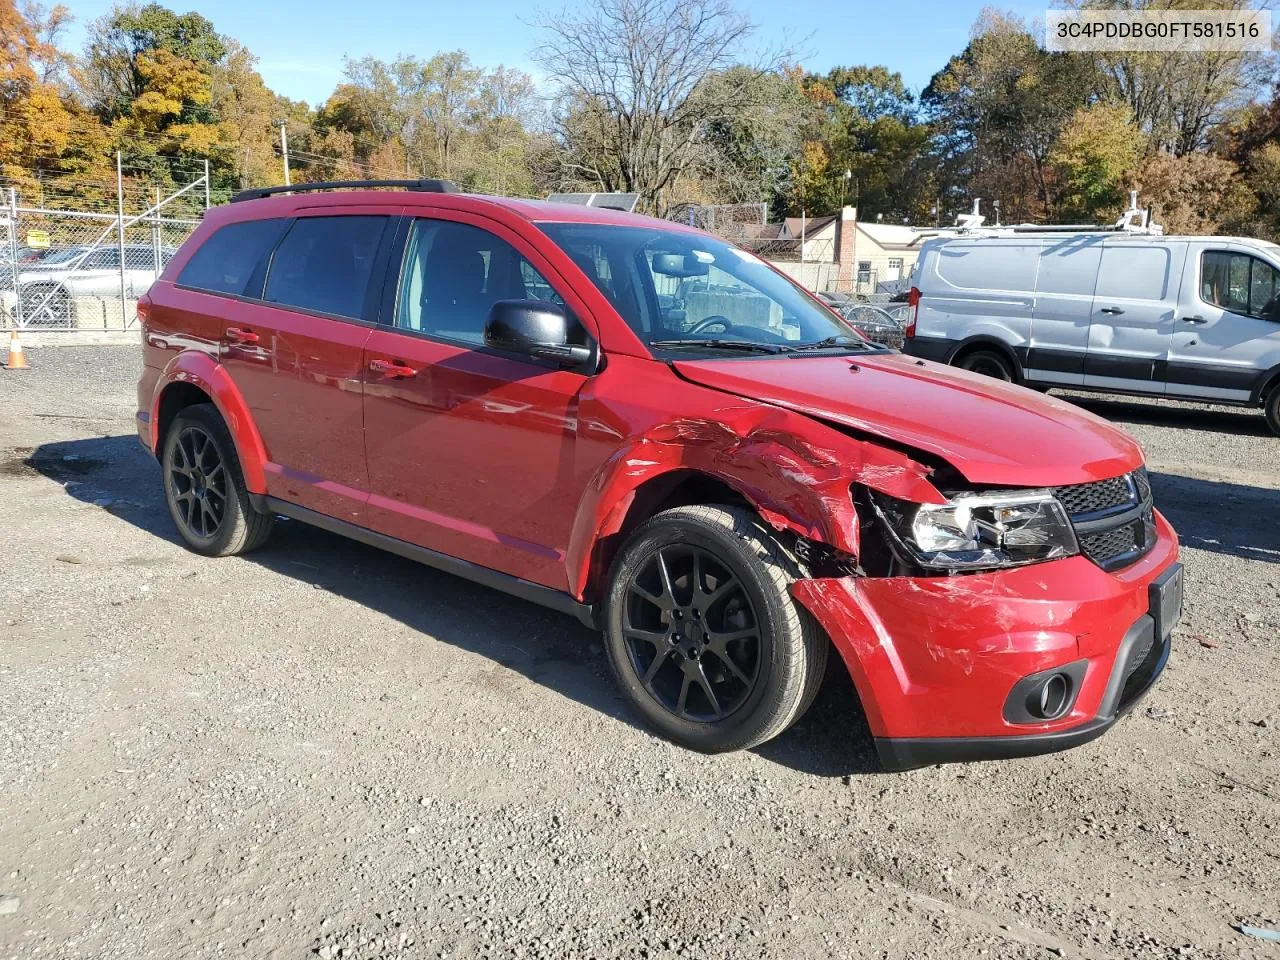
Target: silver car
{"type": "Point", "coordinates": [48, 286]}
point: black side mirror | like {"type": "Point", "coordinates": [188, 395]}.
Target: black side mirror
{"type": "Point", "coordinates": [538, 328]}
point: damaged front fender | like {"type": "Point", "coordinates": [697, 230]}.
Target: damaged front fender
{"type": "Point", "coordinates": [796, 472]}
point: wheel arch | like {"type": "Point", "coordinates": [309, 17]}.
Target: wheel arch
{"type": "Point", "coordinates": [1267, 381]}
{"type": "Point", "coordinates": [984, 341]}
{"type": "Point", "coordinates": [675, 488]}
{"type": "Point", "coordinates": [193, 377]}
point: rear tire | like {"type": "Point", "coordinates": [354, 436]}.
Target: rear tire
{"type": "Point", "coordinates": [204, 486]}
{"type": "Point", "coordinates": [702, 634]}
{"type": "Point", "coordinates": [1271, 407]}
{"type": "Point", "coordinates": [46, 306]}
{"type": "Point", "coordinates": [989, 364]}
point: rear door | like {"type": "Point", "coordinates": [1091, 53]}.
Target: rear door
{"type": "Point", "coordinates": [1134, 311]}
{"type": "Point", "coordinates": [1063, 309]}
{"type": "Point", "coordinates": [295, 351]}
{"type": "Point", "coordinates": [1228, 331]}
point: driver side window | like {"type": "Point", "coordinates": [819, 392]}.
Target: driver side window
{"type": "Point", "coordinates": [453, 275]}
{"type": "Point", "coordinates": [1241, 284]}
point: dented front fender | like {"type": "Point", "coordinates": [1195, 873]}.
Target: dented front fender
{"type": "Point", "coordinates": [795, 471]}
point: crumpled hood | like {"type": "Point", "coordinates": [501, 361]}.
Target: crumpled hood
{"type": "Point", "coordinates": [992, 432]}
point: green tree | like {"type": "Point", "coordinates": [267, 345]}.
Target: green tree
{"type": "Point", "coordinates": [997, 109]}
{"type": "Point", "coordinates": [121, 44]}
{"type": "Point", "coordinates": [1093, 161]}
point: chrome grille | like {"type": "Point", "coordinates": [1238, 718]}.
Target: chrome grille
{"type": "Point", "coordinates": [1113, 518]}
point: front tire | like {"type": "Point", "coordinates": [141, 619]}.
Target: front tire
{"type": "Point", "coordinates": [1271, 407]}
{"type": "Point", "coordinates": [204, 486]}
{"type": "Point", "coordinates": [702, 634]}
{"type": "Point", "coordinates": [988, 363]}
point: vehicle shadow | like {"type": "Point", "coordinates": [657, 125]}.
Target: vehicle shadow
{"type": "Point", "coordinates": [549, 648]}
{"type": "Point", "coordinates": [1221, 517]}
{"type": "Point", "coordinates": [1242, 422]}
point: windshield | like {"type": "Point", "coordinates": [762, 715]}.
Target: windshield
{"type": "Point", "coordinates": [680, 290]}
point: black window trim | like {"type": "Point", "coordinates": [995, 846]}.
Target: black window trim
{"type": "Point", "coordinates": [1205, 251]}
{"type": "Point", "coordinates": [389, 303]}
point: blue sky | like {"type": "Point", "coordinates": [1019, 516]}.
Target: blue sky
{"type": "Point", "coordinates": [300, 43]}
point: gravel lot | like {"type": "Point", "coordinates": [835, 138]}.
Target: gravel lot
{"type": "Point", "coordinates": [324, 750]}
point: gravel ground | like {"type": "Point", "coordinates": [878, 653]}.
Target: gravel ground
{"type": "Point", "coordinates": [324, 750]}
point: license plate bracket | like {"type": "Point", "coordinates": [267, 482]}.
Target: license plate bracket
{"type": "Point", "coordinates": [1164, 597]}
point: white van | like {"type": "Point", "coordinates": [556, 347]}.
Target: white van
{"type": "Point", "coordinates": [1197, 318]}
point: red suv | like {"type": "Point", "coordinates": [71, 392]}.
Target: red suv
{"type": "Point", "coordinates": [648, 427]}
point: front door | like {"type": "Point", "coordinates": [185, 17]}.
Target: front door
{"type": "Point", "coordinates": [1228, 328]}
{"type": "Point", "coordinates": [296, 355]}
{"type": "Point", "coordinates": [472, 452]}
{"type": "Point", "coordinates": [1134, 315]}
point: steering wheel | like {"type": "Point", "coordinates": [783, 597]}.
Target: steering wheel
{"type": "Point", "coordinates": [715, 318]}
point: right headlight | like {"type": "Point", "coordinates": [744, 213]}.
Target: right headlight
{"type": "Point", "coordinates": [980, 531]}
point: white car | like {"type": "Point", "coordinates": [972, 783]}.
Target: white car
{"type": "Point", "coordinates": [48, 286]}
{"type": "Point", "coordinates": [1196, 318]}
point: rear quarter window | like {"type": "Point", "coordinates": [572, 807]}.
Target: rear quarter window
{"type": "Point", "coordinates": [225, 262]}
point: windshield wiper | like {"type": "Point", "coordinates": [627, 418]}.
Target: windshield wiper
{"type": "Point", "coordinates": [749, 346]}
{"type": "Point", "coordinates": [839, 340]}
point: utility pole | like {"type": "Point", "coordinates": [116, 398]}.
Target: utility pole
{"type": "Point", "coordinates": [206, 184]}
{"type": "Point", "coordinates": [120, 227]}
{"type": "Point", "coordinates": [284, 151]}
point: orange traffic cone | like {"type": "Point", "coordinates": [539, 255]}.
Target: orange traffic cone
{"type": "Point", "coordinates": [16, 360]}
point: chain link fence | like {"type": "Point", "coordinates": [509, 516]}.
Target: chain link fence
{"type": "Point", "coordinates": [75, 270]}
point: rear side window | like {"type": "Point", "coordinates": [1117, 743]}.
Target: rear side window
{"type": "Point", "coordinates": [1134, 273]}
{"type": "Point", "coordinates": [324, 264]}
{"type": "Point", "coordinates": [225, 262]}
{"type": "Point", "coordinates": [1241, 284]}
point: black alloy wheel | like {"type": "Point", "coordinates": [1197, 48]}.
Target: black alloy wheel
{"type": "Point", "coordinates": [702, 634]}
{"type": "Point", "coordinates": [204, 486]}
{"type": "Point", "coordinates": [200, 483]}
{"type": "Point", "coordinates": [692, 634]}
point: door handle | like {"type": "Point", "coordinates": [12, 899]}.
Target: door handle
{"type": "Point", "coordinates": [1195, 320]}
{"type": "Point", "coordinates": [389, 368]}
{"type": "Point", "coordinates": [241, 335]}
{"type": "Point", "coordinates": [1114, 311]}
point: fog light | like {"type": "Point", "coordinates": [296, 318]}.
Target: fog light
{"type": "Point", "coordinates": [1047, 695]}
{"type": "Point", "coordinates": [1052, 698]}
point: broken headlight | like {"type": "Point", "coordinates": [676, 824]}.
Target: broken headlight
{"type": "Point", "coordinates": [980, 531]}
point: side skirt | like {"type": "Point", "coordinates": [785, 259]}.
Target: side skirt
{"type": "Point", "coordinates": [524, 589]}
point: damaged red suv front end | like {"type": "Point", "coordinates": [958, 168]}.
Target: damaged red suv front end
{"type": "Point", "coordinates": [984, 654]}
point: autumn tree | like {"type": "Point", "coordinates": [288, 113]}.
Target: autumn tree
{"type": "Point", "coordinates": [246, 113]}
{"type": "Point", "coordinates": [1197, 193]}
{"type": "Point", "coordinates": [1177, 99]}
{"type": "Point", "coordinates": [37, 126]}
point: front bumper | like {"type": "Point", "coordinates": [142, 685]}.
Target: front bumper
{"type": "Point", "coordinates": [935, 659]}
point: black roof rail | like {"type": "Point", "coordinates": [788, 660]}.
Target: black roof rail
{"type": "Point", "coordinates": [421, 186]}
